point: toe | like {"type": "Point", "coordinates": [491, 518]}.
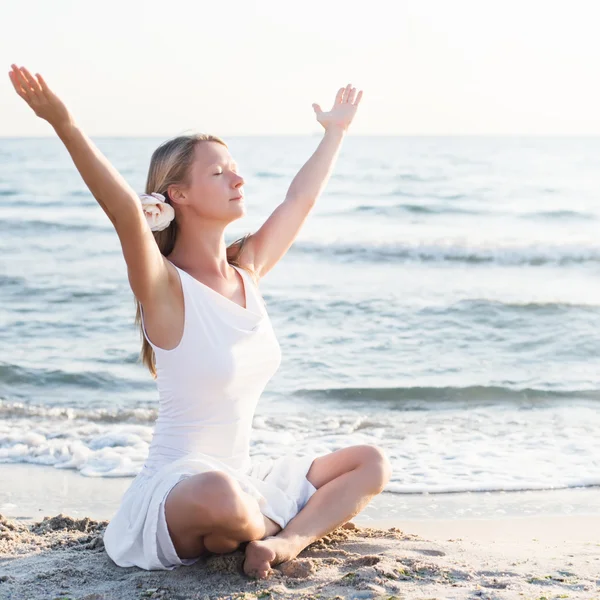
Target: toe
{"type": "Point", "coordinates": [258, 560]}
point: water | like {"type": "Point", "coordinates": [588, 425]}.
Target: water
{"type": "Point", "coordinates": [442, 301]}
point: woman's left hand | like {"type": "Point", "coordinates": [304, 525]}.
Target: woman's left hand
{"type": "Point", "coordinates": [343, 110]}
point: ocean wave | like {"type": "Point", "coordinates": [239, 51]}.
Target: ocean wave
{"type": "Point", "coordinates": [419, 209]}
{"type": "Point", "coordinates": [20, 410]}
{"type": "Point", "coordinates": [491, 486]}
{"type": "Point", "coordinates": [473, 305]}
{"type": "Point", "coordinates": [268, 175]}
{"type": "Point", "coordinates": [34, 226]}
{"type": "Point", "coordinates": [38, 204]}
{"type": "Point", "coordinates": [415, 177]}
{"type": "Point", "coordinates": [450, 209]}
{"type": "Point", "coordinates": [428, 397]}
{"type": "Point", "coordinates": [7, 281]}
{"type": "Point", "coordinates": [560, 214]}
{"type": "Point", "coordinates": [475, 449]}
{"type": "Point", "coordinates": [465, 311]}
{"type": "Point", "coordinates": [14, 375]}
{"type": "Point", "coordinates": [440, 253]}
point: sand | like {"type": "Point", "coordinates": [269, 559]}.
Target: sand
{"type": "Point", "coordinates": [61, 557]}
{"type": "Point", "coordinates": [401, 547]}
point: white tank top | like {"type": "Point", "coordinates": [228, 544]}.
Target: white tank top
{"type": "Point", "coordinates": [209, 385]}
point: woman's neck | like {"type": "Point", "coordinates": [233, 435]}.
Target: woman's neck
{"type": "Point", "coordinates": [201, 248]}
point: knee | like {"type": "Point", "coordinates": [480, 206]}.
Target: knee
{"type": "Point", "coordinates": [376, 463]}
{"type": "Point", "coordinates": [217, 495]}
{"type": "Point", "coordinates": [221, 497]}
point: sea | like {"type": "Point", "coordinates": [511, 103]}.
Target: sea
{"type": "Point", "coordinates": [442, 302]}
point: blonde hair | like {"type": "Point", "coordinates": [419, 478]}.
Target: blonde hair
{"type": "Point", "coordinates": [170, 164]}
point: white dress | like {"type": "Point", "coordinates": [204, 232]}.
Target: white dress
{"type": "Point", "coordinates": [209, 386]}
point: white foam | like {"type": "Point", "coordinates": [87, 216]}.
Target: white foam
{"type": "Point", "coordinates": [456, 450]}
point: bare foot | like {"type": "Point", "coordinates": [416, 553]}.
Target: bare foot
{"type": "Point", "coordinates": [261, 555]}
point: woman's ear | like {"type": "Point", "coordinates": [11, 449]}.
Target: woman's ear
{"type": "Point", "coordinates": [176, 194]}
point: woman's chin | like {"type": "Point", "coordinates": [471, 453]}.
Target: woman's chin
{"type": "Point", "coordinates": [237, 212]}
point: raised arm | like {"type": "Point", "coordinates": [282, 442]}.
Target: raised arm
{"type": "Point", "coordinates": [147, 268]}
{"type": "Point", "coordinates": [268, 245]}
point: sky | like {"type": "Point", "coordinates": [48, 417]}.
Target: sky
{"type": "Point", "coordinates": [254, 67]}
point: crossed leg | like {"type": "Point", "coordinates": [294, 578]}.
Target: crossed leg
{"type": "Point", "coordinates": [346, 480]}
{"type": "Point", "coordinates": [210, 512]}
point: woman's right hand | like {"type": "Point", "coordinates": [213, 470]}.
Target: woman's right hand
{"type": "Point", "coordinates": [43, 101]}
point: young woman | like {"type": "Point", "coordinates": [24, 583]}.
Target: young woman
{"type": "Point", "coordinates": [208, 341]}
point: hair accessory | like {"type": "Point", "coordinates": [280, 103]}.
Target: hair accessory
{"type": "Point", "coordinates": [159, 213]}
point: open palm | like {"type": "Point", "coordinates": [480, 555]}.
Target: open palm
{"type": "Point", "coordinates": [42, 100]}
{"type": "Point", "coordinates": [343, 110]}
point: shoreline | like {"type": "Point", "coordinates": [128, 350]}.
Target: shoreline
{"type": "Point", "coordinates": [67, 492]}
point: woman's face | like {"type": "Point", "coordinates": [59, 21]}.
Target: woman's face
{"type": "Point", "coordinates": [214, 189]}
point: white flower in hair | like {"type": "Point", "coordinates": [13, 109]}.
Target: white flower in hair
{"type": "Point", "coordinates": [158, 213]}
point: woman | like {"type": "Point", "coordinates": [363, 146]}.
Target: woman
{"type": "Point", "coordinates": [208, 341]}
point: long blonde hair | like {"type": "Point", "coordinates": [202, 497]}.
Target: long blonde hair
{"type": "Point", "coordinates": [169, 165]}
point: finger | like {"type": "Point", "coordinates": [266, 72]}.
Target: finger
{"type": "Point", "coordinates": [31, 81]}
{"type": "Point", "coordinates": [22, 83]}
{"type": "Point", "coordinates": [358, 98]}
{"type": "Point", "coordinates": [351, 95]}
{"type": "Point", "coordinates": [346, 92]}
{"type": "Point", "coordinates": [339, 96]}
{"type": "Point", "coordinates": [43, 83]}
{"type": "Point", "coordinates": [13, 80]}
{"type": "Point", "coordinates": [317, 109]}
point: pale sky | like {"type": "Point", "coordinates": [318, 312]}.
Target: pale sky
{"type": "Point", "coordinates": [254, 67]}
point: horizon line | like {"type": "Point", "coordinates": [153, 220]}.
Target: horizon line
{"type": "Point", "coordinates": [310, 135]}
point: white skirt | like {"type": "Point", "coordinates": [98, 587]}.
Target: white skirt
{"type": "Point", "coordinates": [138, 536]}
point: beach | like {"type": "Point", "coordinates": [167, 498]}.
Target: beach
{"type": "Point", "coordinates": [507, 558]}
{"type": "Point", "coordinates": [58, 553]}
{"type": "Point", "coordinates": [442, 302]}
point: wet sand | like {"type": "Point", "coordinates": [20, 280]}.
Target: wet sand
{"type": "Point", "coordinates": [378, 555]}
